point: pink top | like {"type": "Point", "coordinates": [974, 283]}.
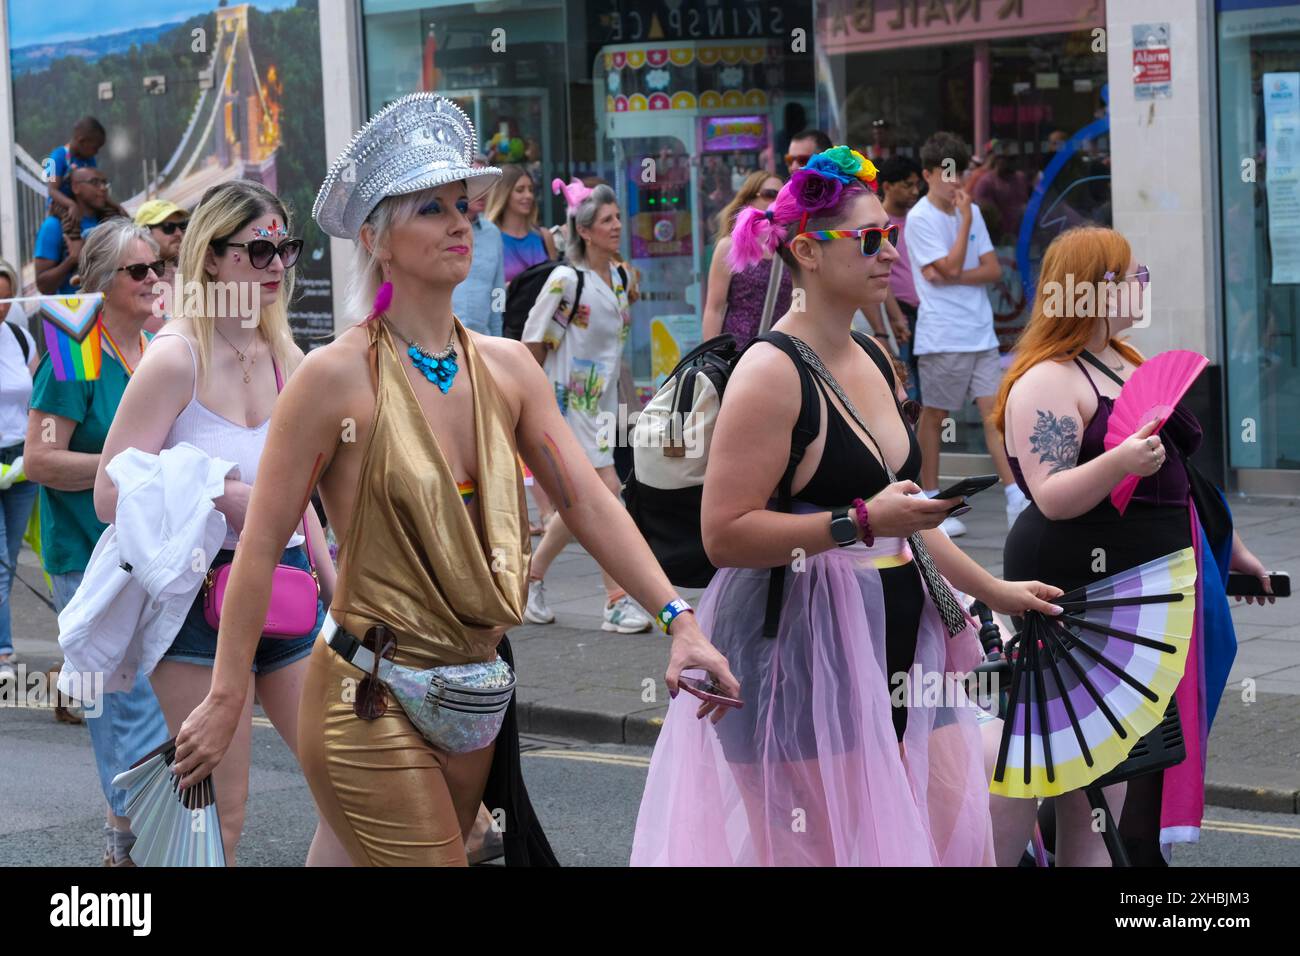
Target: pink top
{"type": "Point", "coordinates": [900, 276]}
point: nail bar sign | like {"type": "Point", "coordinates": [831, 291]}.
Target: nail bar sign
{"type": "Point", "coordinates": [1152, 61]}
{"type": "Point", "coordinates": [852, 26]}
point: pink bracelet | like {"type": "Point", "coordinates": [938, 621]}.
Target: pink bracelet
{"type": "Point", "coordinates": [864, 522]}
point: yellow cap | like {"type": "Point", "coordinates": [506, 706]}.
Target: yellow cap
{"type": "Point", "coordinates": [156, 211]}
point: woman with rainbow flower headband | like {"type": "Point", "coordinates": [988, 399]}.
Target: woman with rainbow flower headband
{"type": "Point", "coordinates": [841, 754]}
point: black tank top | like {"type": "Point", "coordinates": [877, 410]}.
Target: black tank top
{"type": "Point", "coordinates": [848, 469]}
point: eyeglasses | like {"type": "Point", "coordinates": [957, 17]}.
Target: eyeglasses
{"type": "Point", "coordinates": [140, 270]}
{"type": "Point", "coordinates": [791, 159]}
{"type": "Point", "coordinates": [99, 182]}
{"type": "Point", "coordinates": [769, 194]}
{"type": "Point", "coordinates": [872, 236]}
{"type": "Point", "coordinates": [262, 251]}
{"type": "Point", "coordinates": [170, 228]}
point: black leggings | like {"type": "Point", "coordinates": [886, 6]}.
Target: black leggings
{"type": "Point", "coordinates": [904, 599]}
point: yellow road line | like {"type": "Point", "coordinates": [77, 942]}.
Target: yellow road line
{"type": "Point", "coordinates": [1258, 829]}
{"type": "Point", "coordinates": [592, 756]}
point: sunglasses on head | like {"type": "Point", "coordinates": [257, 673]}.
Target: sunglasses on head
{"type": "Point", "coordinates": [769, 194]}
{"type": "Point", "coordinates": [170, 228]}
{"type": "Point", "coordinates": [262, 251]}
{"type": "Point", "coordinates": [872, 236]}
{"type": "Point", "coordinates": [138, 271]}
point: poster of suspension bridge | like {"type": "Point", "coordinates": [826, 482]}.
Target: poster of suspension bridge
{"type": "Point", "coordinates": [192, 93]}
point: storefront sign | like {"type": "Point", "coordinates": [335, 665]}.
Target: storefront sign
{"type": "Point", "coordinates": [855, 26]}
{"type": "Point", "coordinates": [634, 21]}
{"type": "Point", "coordinates": [1152, 61]}
{"type": "Point", "coordinates": [725, 133]}
{"type": "Point", "coordinates": [1282, 140]}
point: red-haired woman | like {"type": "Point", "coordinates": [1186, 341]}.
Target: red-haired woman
{"type": "Point", "coordinates": [1053, 411]}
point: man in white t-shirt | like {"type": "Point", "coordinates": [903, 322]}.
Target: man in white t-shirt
{"type": "Point", "coordinates": [953, 262]}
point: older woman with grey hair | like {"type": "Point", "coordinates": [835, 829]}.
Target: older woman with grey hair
{"type": "Point", "coordinates": [576, 329]}
{"type": "Point", "coordinates": [66, 427]}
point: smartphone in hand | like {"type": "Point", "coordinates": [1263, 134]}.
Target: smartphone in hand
{"type": "Point", "coordinates": [964, 489]}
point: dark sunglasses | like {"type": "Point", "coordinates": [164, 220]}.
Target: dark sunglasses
{"type": "Point", "coordinates": [791, 159]}
{"type": "Point", "coordinates": [169, 228]}
{"type": "Point", "coordinates": [140, 270]}
{"type": "Point", "coordinates": [1143, 275]}
{"type": "Point", "coordinates": [262, 251]}
{"type": "Point", "coordinates": [769, 194]}
{"type": "Point", "coordinates": [873, 237]}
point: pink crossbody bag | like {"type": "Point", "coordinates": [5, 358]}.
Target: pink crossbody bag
{"type": "Point", "coordinates": [295, 593]}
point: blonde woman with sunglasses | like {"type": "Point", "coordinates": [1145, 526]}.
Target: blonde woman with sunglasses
{"type": "Point", "coordinates": [211, 379]}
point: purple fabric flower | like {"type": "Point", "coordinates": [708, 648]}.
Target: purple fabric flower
{"type": "Point", "coordinates": [815, 191]}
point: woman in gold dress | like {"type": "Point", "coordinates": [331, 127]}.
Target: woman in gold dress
{"type": "Point", "coordinates": [416, 461]}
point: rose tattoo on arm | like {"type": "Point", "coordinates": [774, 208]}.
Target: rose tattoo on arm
{"type": "Point", "coordinates": [1056, 441]}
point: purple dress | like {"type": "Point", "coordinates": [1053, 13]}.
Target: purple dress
{"type": "Point", "coordinates": [745, 298]}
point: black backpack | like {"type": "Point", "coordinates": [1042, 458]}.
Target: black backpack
{"type": "Point", "coordinates": [523, 290]}
{"type": "Point", "coordinates": [665, 488]}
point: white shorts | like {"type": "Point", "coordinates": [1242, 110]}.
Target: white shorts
{"type": "Point", "coordinates": [951, 379]}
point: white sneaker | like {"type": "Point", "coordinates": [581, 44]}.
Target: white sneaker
{"type": "Point", "coordinates": [626, 617]}
{"type": "Point", "coordinates": [1016, 503]}
{"type": "Point", "coordinates": [537, 611]}
{"type": "Point", "coordinates": [953, 527]}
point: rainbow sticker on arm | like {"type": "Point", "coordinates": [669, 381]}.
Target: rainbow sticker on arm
{"type": "Point", "coordinates": [71, 326]}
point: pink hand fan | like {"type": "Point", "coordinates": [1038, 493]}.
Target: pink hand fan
{"type": "Point", "coordinates": [1150, 394]}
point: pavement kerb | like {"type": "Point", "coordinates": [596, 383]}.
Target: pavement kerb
{"type": "Point", "coordinates": [604, 728]}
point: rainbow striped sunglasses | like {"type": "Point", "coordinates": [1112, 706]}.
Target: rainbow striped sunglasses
{"type": "Point", "coordinates": [872, 236]}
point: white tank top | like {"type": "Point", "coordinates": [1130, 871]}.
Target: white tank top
{"type": "Point", "coordinates": [219, 437]}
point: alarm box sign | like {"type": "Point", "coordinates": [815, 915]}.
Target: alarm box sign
{"type": "Point", "coordinates": [1152, 61]}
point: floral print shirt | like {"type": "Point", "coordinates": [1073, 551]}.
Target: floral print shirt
{"type": "Point", "coordinates": [584, 351]}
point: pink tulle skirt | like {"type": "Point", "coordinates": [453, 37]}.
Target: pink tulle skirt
{"type": "Point", "coordinates": [810, 771]}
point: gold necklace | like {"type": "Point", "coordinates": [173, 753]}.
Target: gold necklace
{"type": "Point", "coordinates": [246, 369]}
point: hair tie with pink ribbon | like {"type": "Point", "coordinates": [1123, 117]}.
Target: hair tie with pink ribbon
{"type": "Point", "coordinates": [575, 193]}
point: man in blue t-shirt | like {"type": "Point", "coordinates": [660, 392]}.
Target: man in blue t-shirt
{"type": "Point", "coordinates": [79, 152]}
{"type": "Point", "coordinates": [56, 256]}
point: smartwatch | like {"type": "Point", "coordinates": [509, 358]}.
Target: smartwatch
{"type": "Point", "coordinates": [843, 528]}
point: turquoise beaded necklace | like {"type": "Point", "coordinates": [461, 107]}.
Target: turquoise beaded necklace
{"type": "Point", "coordinates": [440, 368]}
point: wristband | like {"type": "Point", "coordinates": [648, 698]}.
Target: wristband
{"type": "Point", "coordinates": [860, 507]}
{"type": "Point", "coordinates": [666, 617]}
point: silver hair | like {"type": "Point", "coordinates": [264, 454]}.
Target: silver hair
{"type": "Point", "coordinates": [102, 254]}
{"type": "Point", "coordinates": [585, 216]}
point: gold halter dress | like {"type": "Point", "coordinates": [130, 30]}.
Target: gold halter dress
{"type": "Point", "coordinates": [413, 561]}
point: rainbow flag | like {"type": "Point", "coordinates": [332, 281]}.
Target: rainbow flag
{"type": "Point", "coordinates": [72, 335]}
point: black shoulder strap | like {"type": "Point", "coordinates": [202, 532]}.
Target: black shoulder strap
{"type": "Point", "coordinates": [577, 292]}
{"type": "Point", "coordinates": [805, 430]}
{"type": "Point", "coordinates": [878, 356]}
{"type": "Point", "coordinates": [622, 274]}
{"type": "Point", "coordinates": [22, 344]}
{"type": "Point", "coordinates": [1102, 367]}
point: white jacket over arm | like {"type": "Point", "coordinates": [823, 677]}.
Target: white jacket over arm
{"type": "Point", "coordinates": [146, 569]}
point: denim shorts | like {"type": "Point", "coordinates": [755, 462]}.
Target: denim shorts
{"type": "Point", "coordinates": [196, 643]}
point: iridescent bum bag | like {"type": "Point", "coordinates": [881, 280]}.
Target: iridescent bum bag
{"type": "Point", "coordinates": [458, 707]}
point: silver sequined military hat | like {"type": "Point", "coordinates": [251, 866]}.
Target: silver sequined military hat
{"type": "Point", "coordinates": [418, 142]}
